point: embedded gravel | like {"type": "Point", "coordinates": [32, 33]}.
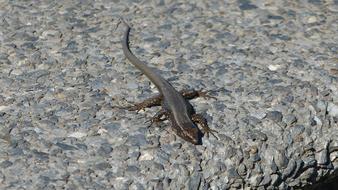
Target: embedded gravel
{"type": "Point", "coordinates": [272, 65]}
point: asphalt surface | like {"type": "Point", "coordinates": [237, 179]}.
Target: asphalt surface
{"type": "Point", "coordinates": [272, 65]}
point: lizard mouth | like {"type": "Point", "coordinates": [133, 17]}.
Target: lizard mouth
{"type": "Point", "coordinates": [194, 136]}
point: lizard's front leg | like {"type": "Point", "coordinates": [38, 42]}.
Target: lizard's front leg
{"type": "Point", "coordinates": [150, 102]}
{"type": "Point", "coordinates": [199, 119]}
{"type": "Point", "coordinates": [190, 94]}
{"type": "Point", "coordinates": [158, 117]}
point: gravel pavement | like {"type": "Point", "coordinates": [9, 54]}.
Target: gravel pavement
{"type": "Point", "coordinates": [272, 65]}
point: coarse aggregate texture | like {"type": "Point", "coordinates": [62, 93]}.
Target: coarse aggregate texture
{"type": "Point", "coordinates": [272, 65]}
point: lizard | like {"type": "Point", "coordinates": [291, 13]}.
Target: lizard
{"type": "Point", "coordinates": [175, 105]}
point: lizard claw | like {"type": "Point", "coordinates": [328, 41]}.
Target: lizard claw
{"type": "Point", "coordinates": [212, 132]}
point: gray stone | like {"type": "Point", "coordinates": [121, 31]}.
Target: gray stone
{"type": "Point", "coordinates": [65, 146]}
{"type": "Point", "coordinates": [6, 164]}
{"type": "Point", "coordinates": [275, 116]}
{"type": "Point", "coordinates": [103, 166]}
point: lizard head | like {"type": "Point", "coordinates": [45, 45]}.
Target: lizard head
{"type": "Point", "coordinates": [185, 128]}
{"type": "Point", "coordinates": [191, 133]}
